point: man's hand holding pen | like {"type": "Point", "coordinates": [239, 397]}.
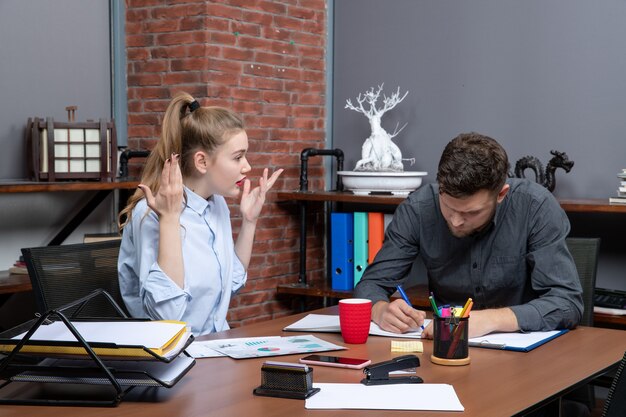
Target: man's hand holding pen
{"type": "Point", "coordinates": [397, 316]}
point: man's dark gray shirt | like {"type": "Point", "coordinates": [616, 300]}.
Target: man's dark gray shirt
{"type": "Point", "coordinates": [520, 260]}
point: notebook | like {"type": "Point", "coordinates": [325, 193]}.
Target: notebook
{"type": "Point", "coordinates": [330, 324]}
{"type": "Point", "coordinates": [520, 342]}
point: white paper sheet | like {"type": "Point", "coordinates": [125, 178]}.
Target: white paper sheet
{"type": "Point", "coordinates": [425, 397]}
{"type": "Point", "coordinates": [202, 349]}
{"type": "Point", "coordinates": [330, 324]}
{"type": "Point", "coordinates": [151, 334]}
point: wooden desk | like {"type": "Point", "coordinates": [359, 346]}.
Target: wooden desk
{"type": "Point", "coordinates": [496, 383]}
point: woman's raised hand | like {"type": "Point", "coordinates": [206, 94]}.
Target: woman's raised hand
{"type": "Point", "coordinates": [252, 200]}
{"type": "Point", "coordinates": [168, 200]}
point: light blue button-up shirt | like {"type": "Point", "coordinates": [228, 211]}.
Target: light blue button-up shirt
{"type": "Point", "coordinates": [212, 270]}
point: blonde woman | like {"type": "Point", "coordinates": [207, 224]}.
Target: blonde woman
{"type": "Point", "coordinates": [178, 260]}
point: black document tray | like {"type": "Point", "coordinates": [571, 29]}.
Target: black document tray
{"type": "Point", "coordinates": [109, 381]}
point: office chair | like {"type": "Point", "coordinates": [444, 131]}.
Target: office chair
{"type": "Point", "coordinates": [585, 252]}
{"type": "Point", "coordinates": [615, 405]}
{"type": "Point", "coordinates": [65, 273]}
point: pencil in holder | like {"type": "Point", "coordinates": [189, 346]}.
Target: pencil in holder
{"type": "Point", "coordinates": [450, 341]}
{"type": "Point", "coordinates": [286, 380]}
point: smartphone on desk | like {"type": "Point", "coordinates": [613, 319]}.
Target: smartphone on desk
{"type": "Point", "coordinates": [352, 363]}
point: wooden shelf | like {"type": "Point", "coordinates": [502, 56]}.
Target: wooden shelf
{"type": "Point", "coordinates": [25, 186]}
{"type": "Point", "coordinates": [587, 205]}
{"type": "Point", "coordinates": [101, 189]}
{"type": "Point", "coordinates": [610, 321]}
{"type": "Point", "coordinates": [591, 205]}
{"type": "Point", "coordinates": [340, 196]}
{"type": "Point", "coordinates": [11, 283]}
{"type": "Point", "coordinates": [417, 294]}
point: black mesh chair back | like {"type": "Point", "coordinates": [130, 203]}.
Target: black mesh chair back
{"type": "Point", "coordinates": [65, 273]}
{"type": "Point", "coordinates": [585, 253]}
{"type": "Point", "coordinates": [615, 405]}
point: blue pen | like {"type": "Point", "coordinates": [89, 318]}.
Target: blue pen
{"type": "Point", "coordinates": [406, 298]}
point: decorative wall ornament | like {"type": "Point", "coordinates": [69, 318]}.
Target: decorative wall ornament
{"type": "Point", "coordinates": [380, 168]}
{"type": "Point", "coordinates": [378, 152]}
{"type": "Point", "coordinates": [71, 150]}
{"type": "Point", "coordinates": [547, 178]}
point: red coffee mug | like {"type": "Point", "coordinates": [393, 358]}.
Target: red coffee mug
{"type": "Point", "coordinates": [355, 315]}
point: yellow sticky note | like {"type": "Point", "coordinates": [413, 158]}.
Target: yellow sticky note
{"type": "Point", "coordinates": [406, 346]}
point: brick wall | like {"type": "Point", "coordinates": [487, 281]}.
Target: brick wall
{"type": "Point", "coordinates": [265, 60]}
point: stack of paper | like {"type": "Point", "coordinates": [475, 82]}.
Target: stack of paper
{"type": "Point", "coordinates": [120, 338]}
{"type": "Point", "coordinates": [330, 324]}
{"type": "Point", "coordinates": [621, 190]}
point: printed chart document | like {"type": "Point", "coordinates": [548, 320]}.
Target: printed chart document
{"type": "Point", "coordinates": [330, 324]}
{"type": "Point", "coordinates": [206, 348]}
{"type": "Point", "coordinates": [425, 397]}
{"type": "Point", "coordinates": [272, 346]}
{"type": "Point", "coordinates": [521, 342]}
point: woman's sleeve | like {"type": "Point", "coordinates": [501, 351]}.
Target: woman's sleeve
{"type": "Point", "coordinates": [161, 297]}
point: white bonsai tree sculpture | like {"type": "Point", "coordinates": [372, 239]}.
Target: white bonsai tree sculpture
{"type": "Point", "coordinates": [378, 153]}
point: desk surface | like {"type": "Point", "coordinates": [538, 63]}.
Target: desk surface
{"type": "Point", "coordinates": [496, 383]}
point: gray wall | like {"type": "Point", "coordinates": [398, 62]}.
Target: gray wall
{"type": "Point", "coordinates": [53, 53]}
{"type": "Point", "coordinates": [536, 75]}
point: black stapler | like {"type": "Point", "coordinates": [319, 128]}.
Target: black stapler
{"type": "Point", "coordinates": [378, 373]}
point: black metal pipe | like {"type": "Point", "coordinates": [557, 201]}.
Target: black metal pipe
{"type": "Point", "coordinates": [302, 274]}
{"type": "Point", "coordinates": [304, 186]}
{"type": "Point", "coordinates": [304, 159]}
{"type": "Point", "coordinates": [125, 156]}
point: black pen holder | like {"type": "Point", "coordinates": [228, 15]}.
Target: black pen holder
{"type": "Point", "coordinates": [286, 382]}
{"type": "Point", "coordinates": [450, 341]}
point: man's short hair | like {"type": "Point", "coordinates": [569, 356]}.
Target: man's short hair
{"type": "Point", "coordinates": [472, 162]}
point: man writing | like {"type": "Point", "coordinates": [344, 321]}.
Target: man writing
{"type": "Point", "coordinates": [498, 240]}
